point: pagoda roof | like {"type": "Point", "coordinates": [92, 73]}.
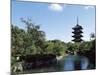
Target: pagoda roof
{"type": "Point", "coordinates": [77, 27]}
{"type": "Point", "coordinates": [75, 32]}
{"type": "Point", "coordinates": [77, 40]}
{"type": "Point", "coordinates": [77, 36]}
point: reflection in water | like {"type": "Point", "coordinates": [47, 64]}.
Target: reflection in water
{"type": "Point", "coordinates": [84, 63]}
{"type": "Point", "coordinates": [68, 63]}
{"type": "Point", "coordinates": [75, 63]}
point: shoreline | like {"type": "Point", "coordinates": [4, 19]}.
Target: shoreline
{"type": "Point", "coordinates": [60, 57]}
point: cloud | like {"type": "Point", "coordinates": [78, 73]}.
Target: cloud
{"type": "Point", "coordinates": [88, 7]}
{"type": "Point", "coordinates": [55, 7]}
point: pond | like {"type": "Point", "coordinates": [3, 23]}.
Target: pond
{"type": "Point", "coordinates": [67, 63]}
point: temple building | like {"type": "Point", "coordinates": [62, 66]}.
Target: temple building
{"type": "Point", "coordinates": [77, 31]}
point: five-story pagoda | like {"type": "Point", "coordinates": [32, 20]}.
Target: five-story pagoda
{"type": "Point", "coordinates": [77, 33]}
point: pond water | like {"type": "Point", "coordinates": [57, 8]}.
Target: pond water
{"type": "Point", "coordinates": [72, 62]}
{"type": "Point", "coordinates": [67, 63]}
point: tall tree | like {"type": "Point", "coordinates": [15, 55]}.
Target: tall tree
{"type": "Point", "coordinates": [17, 40]}
{"type": "Point", "coordinates": [35, 35]}
{"type": "Point", "coordinates": [92, 36]}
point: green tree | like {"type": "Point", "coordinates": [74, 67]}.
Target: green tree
{"type": "Point", "coordinates": [92, 36]}
{"type": "Point", "coordinates": [55, 47]}
{"type": "Point", "coordinates": [17, 40]}
{"type": "Point", "coordinates": [27, 41]}
{"type": "Point", "coordinates": [34, 36]}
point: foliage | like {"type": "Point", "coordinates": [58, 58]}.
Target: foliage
{"type": "Point", "coordinates": [92, 36]}
{"type": "Point", "coordinates": [72, 46]}
{"type": "Point", "coordinates": [32, 41]}
{"type": "Point", "coordinates": [55, 47]}
{"type": "Point", "coordinates": [17, 38]}
{"type": "Point", "coordinates": [29, 41]}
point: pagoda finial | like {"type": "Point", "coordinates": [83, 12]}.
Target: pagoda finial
{"type": "Point", "coordinates": [77, 20]}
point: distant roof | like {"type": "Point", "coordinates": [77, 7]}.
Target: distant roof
{"type": "Point", "coordinates": [77, 27]}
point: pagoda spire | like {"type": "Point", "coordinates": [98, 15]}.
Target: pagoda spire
{"type": "Point", "coordinates": [77, 20]}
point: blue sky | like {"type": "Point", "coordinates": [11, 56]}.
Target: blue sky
{"type": "Point", "coordinates": [56, 20]}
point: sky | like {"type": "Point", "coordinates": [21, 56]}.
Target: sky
{"type": "Point", "coordinates": [56, 20]}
